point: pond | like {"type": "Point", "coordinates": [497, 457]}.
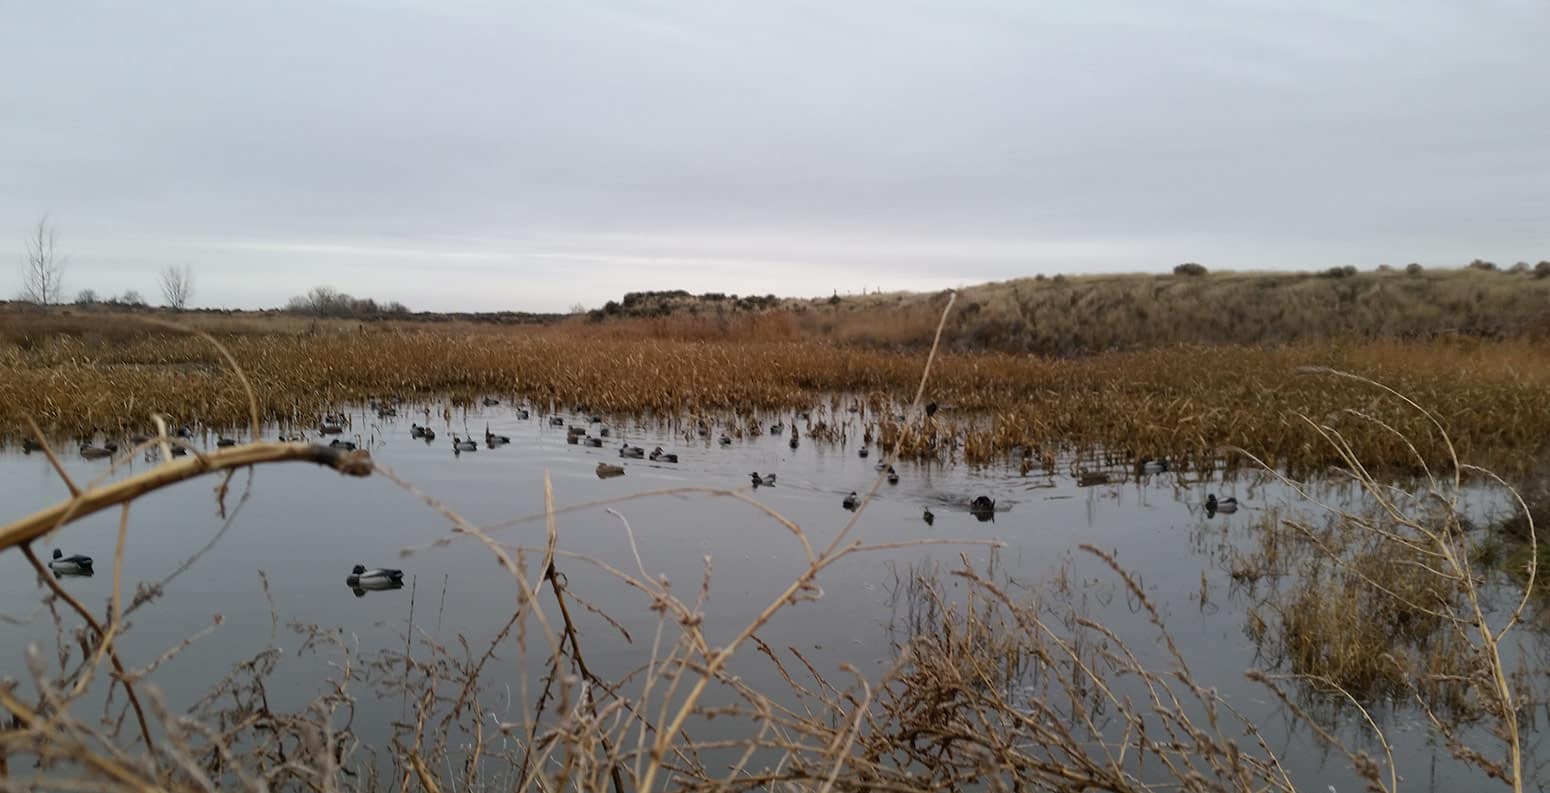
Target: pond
{"type": "Point", "coordinates": [304, 528]}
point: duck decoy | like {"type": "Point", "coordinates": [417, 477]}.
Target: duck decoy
{"type": "Point", "coordinates": [339, 443]}
{"type": "Point", "coordinates": [179, 451]}
{"type": "Point", "coordinates": [523, 414]}
{"type": "Point", "coordinates": [864, 452]}
{"type": "Point", "coordinates": [1150, 467]}
{"type": "Point", "coordinates": [793, 443]}
{"type": "Point", "coordinates": [659, 456]}
{"type": "Point", "coordinates": [139, 438]}
{"type": "Point", "coordinates": [602, 432]}
{"type": "Point", "coordinates": [777, 428]}
{"type": "Point", "coordinates": [851, 501]}
{"type": "Point", "coordinates": [982, 506]}
{"type": "Point", "coordinates": [111, 446]}
{"type": "Point", "coordinates": [29, 446]}
{"type": "Point", "coordinates": [596, 443]}
{"type": "Point", "coordinates": [557, 421]}
{"type": "Point", "coordinates": [292, 437]}
{"type": "Point", "coordinates": [91, 452]}
{"type": "Point", "coordinates": [928, 517]}
{"type": "Point", "coordinates": [185, 432]}
{"type": "Point", "coordinates": [768, 480]}
{"type": "Point", "coordinates": [575, 431]}
{"type": "Point", "coordinates": [572, 439]}
{"type": "Point", "coordinates": [930, 411]}
{"type": "Point", "coordinates": [461, 445]}
{"type": "Point", "coordinates": [893, 476]}
{"type": "Point", "coordinates": [725, 441]}
{"type": "Point", "coordinates": [1091, 478]}
{"type": "Point", "coordinates": [635, 452]}
{"type": "Point", "coordinates": [329, 428]}
{"type": "Point", "coordinates": [492, 440]}
{"type": "Point", "coordinates": [224, 442]}
{"type": "Point", "coordinates": [360, 579]}
{"type": "Point", "coordinates": [69, 565]}
{"type": "Point", "coordinates": [1226, 506]}
{"type": "Point", "coordinates": [605, 471]}
{"type": "Point", "coordinates": [491, 402]}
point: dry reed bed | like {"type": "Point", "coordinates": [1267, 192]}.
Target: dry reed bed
{"type": "Point", "coordinates": [1184, 402]}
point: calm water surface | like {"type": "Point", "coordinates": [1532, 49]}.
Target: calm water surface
{"type": "Point", "coordinates": [304, 527]}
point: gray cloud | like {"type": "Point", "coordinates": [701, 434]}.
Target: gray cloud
{"type": "Point", "coordinates": [489, 155]}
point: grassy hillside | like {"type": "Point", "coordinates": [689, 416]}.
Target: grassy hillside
{"type": "Point", "coordinates": [1074, 315]}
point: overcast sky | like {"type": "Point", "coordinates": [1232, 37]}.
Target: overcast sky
{"type": "Point", "coordinates": [507, 155]}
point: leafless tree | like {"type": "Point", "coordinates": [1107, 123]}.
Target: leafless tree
{"type": "Point", "coordinates": [177, 285]}
{"type": "Point", "coordinates": [43, 278]}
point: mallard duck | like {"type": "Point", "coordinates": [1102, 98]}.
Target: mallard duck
{"type": "Point", "coordinates": [596, 443]}
{"type": "Point", "coordinates": [851, 501]}
{"type": "Point", "coordinates": [659, 456]}
{"type": "Point", "coordinates": [893, 476]}
{"type": "Point", "coordinates": [69, 565]}
{"type": "Point", "coordinates": [1149, 467]}
{"type": "Point", "coordinates": [777, 428]}
{"type": "Point", "coordinates": [29, 446]}
{"type": "Point", "coordinates": [328, 428]}
{"type": "Point", "coordinates": [523, 414]}
{"type": "Point", "coordinates": [864, 453]}
{"type": "Point", "coordinates": [725, 441]}
{"type": "Point", "coordinates": [768, 480]}
{"type": "Point", "coordinates": [982, 505]}
{"type": "Point", "coordinates": [634, 452]}
{"type": "Point", "coordinates": [139, 438]}
{"type": "Point", "coordinates": [928, 517]}
{"type": "Point", "coordinates": [461, 445]}
{"type": "Point", "coordinates": [375, 578]}
{"type": "Point", "coordinates": [572, 439]}
{"type": "Point", "coordinates": [339, 443]}
{"type": "Point", "coordinates": [1226, 506]}
{"type": "Point", "coordinates": [605, 471]}
{"type": "Point", "coordinates": [793, 443]}
{"type": "Point", "coordinates": [602, 432]}
{"type": "Point", "coordinates": [1091, 478]}
{"type": "Point", "coordinates": [575, 430]}
{"type": "Point", "coordinates": [91, 452]}
{"type": "Point", "coordinates": [491, 402]}
{"type": "Point", "coordinates": [557, 421]}
{"type": "Point", "coordinates": [492, 440]}
{"type": "Point", "coordinates": [224, 442]}
{"type": "Point", "coordinates": [930, 411]}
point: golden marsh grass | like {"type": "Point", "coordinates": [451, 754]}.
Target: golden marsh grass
{"type": "Point", "coordinates": [1184, 402]}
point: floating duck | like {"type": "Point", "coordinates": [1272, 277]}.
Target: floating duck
{"type": "Point", "coordinates": [91, 452]}
{"type": "Point", "coordinates": [596, 443]}
{"type": "Point", "coordinates": [491, 402]}
{"type": "Point", "coordinates": [460, 445]}
{"type": "Point", "coordinates": [768, 480]}
{"type": "Point", "coordinates": [634, 452]}
{"type": "Point", "coordinates": [336, 443]}
{"type": "Point", "coordinates": [893, 476]}
{"type": "Point", "coordinates": [606, 471]}
{"type": "Point", "coordinates": [864, 452]}
{"type": "Point", "coordinates": [982, 506]}
{"type": "Point", "coordinates": [69, 565]}
{"type": "Point", "coordinates": [928, 517]}
{"type": "Point", "coordinates": [659, 456]}
{"type": "Point", "coordinates": [492, 440]}
{"type": "Point", "coordinates": [378, 579]}
{"type": "Point", "coordinates": [1226, 506]}
{"type": "Point", "coordinates": [851, 501]}
{"type": "Point", "coordinates": [224, 442]}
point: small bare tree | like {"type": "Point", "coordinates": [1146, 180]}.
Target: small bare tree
{"type": "Point", "coordinates": [177, 285]}
{"type": "Point", "coordinates": [43, 278]}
